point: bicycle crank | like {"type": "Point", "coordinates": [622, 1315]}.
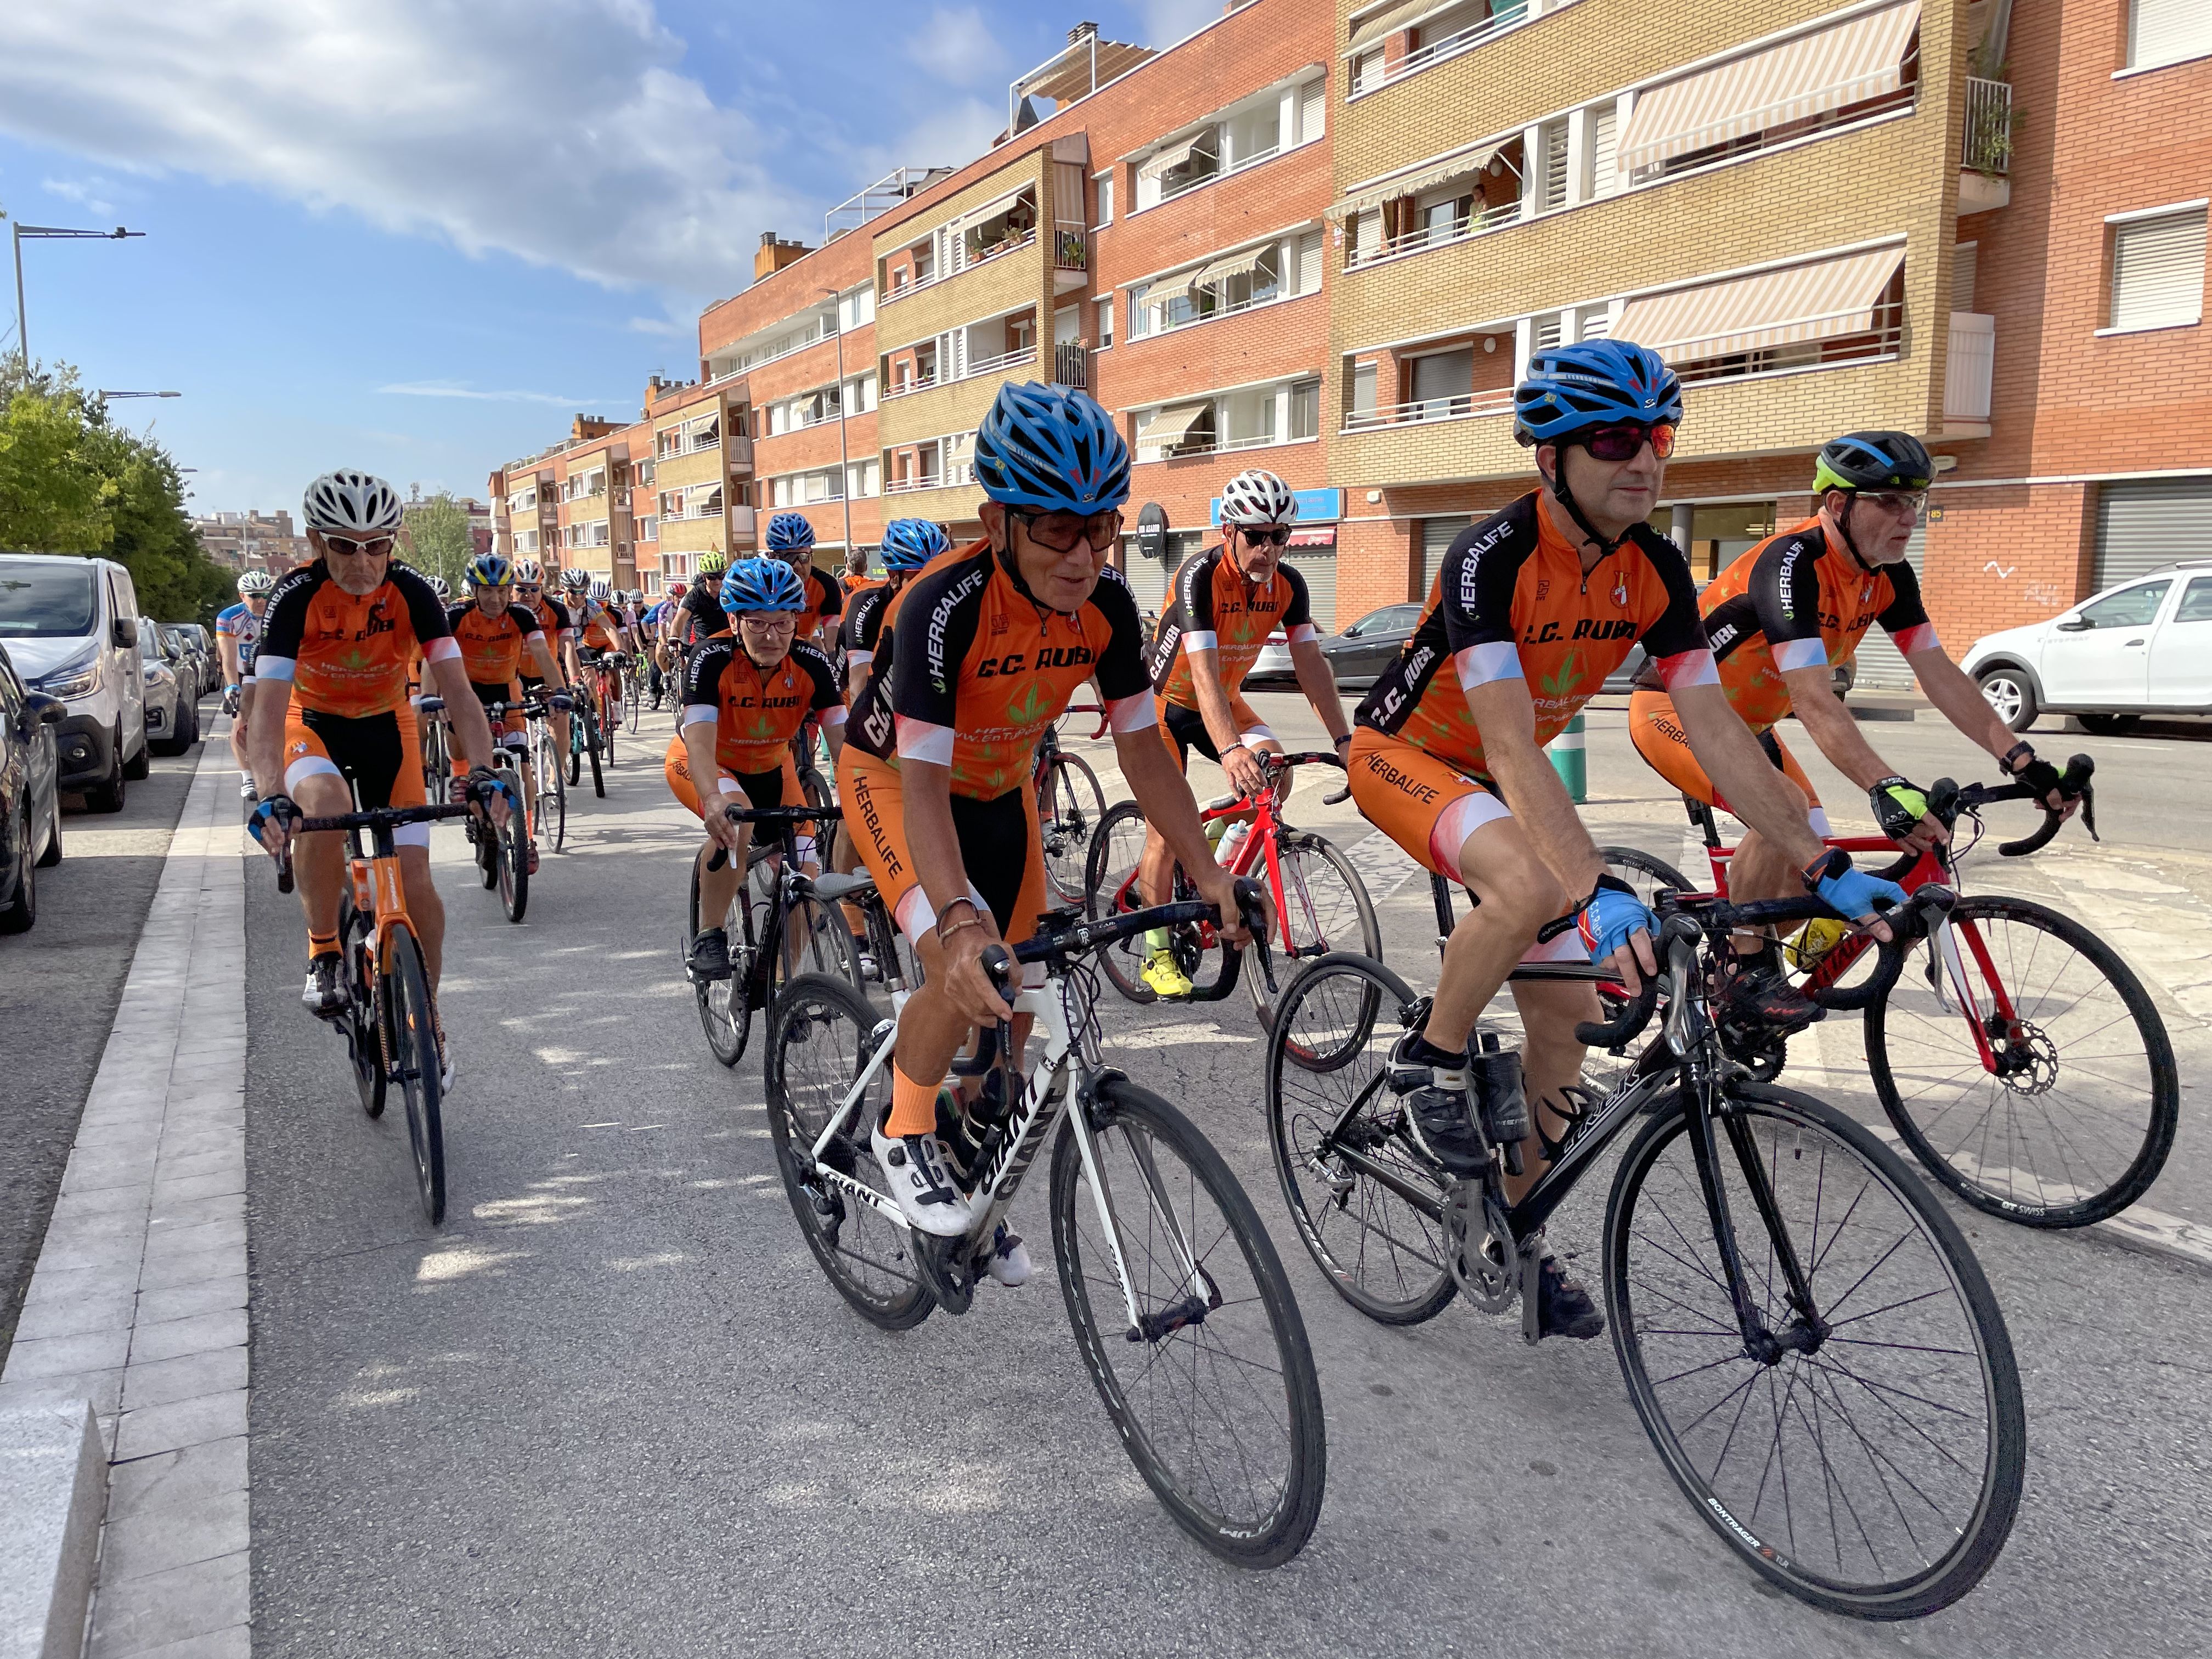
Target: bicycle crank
{"type": "Point", "coordinates": [1481, 1242]}
{"type": "Point", "coordinates": [946, 1270]}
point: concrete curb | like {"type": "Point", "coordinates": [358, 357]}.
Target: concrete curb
{"type": "Point", "coordinates": [136, 1313]}
{"type": "Point", "coordinates": [53, 1492]}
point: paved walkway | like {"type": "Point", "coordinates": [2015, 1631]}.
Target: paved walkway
{"type": "Point", "coordinates": [138, 1301]}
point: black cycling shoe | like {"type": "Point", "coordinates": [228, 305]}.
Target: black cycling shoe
{"type": "Point", "coordinates": [324, 996]}
{"type": "Point", "coordinates": [710, 954]}
{"type": "Point", "coordinates": [959, 1135]}
{"type": "Point", "coordinates": [1437, 1116]}
{"type": "Point", "coordinates": [1756, 992]}
{"type": "Point", "coordinates": [1563, 1307]}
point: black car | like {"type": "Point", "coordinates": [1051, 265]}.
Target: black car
{"type": "Point", "coordinates": [1356, 656]}
{"type": "Point", "coordinates": [30, 813]}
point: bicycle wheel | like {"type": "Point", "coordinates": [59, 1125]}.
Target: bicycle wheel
{"type": "Point", "coordinates": [633, 698]}
{"type": "Point", "coordinates": [1876, 1469]}
{"type": "Point", "coordinates": [575, 747]}
{"type": "Point", "coordinates": [610, 720]}
{"type": "Point", "coordinates": [363, 1036]}
{"type": "Point", "coordinates": [1070, 807]}
{"type": "Point", "coordinates": [411, 1027]}
{"type": "Point", "coordinates": [1642, 872]}
{"type": "Point", "coordinates": [818, 1040]}
{"type": "Point", "coordinates": [435, 764]}
{"type": "Point", "coordinates": [1213, 1390]}
{"type": "Point", "coordinates": [552, 814]}
{"type": "Point", "coordinates": [815, 941]}
{"type": "Point", "coordinates": [723, 1012]}
{"type": "Point", "coordinates": [512, 844]}
{"type": "Point", "coordinates": [1110, 887]}
{"type": "Point", "coordinates": [595, 740]}
{"type": "Point", "coordinates": [1325, 907]}
{"type": "Point", "coordinates": [2072, 1119]}
{"type": "Point", "coordinates": [1368, 1207]}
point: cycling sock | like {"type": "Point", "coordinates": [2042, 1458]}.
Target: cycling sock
{"type": "Point", "coordinates": [322, 944]}
{"type": "Point", "coordinates": [1425, 1053]}
{"type": "Point", "coordinates": [913, 1105]}
{"type": "Point", "coordinates": [1156, 939]}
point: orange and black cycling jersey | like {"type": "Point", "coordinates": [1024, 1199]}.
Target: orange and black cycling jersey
{"type": "Point", "coordinates": [757, 712]}
{"type": "Point", "coordinates": [493, 648]}
{"type": "Point", "coordinates": [968, 671]}
{"type": "Point", "coordinates": [1511, 602]}
{"type": "Point", "coordinates": [825, 600]}
{"type": "Point", "coordinates": [1794, 601]}
{"type": "Point", "coordinates": [863, 622]}
{"type": "Point", "coordinates": [1215, 608]}
{"type": "Point", "coordinates": [600, 626]}
{"type": "Point", "coordinates": [350, 656]}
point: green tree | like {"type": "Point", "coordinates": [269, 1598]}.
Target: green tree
{"type": "Point", "coordinates": [437, 527]}
{"type": "Point", "coordinates": [52, 499]}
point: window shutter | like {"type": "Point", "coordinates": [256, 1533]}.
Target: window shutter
{"type": "Point", "coordinates": [1309, 280]}
{"type": "Point", "coordinates": [1963, 258]}
{"type": "Point", "coordinates": [1363, 389]}
{"type": "Point", "coordinates": [1313, 100]}
{"type": "Point", "coordinates": [1555, 167]}
{"type": "Point", "coordinates": [2158, 272]}
{"type": "Point", "coordinates": [1367, 233]}
{"type": "Point", "coordinates": [1594, 323]}
{"type": "Point", "coordinates": [2168, 31]}
{"type": "Point", "coordinates": [1437, 537]}
{"type": "Point", "coordinates": [1547, 331]}
{"type": "Point", "coordinates": [1605, 147]}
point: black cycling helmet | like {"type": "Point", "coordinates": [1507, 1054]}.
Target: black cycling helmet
{"type": "Point", "coordinates": [1873, 460]}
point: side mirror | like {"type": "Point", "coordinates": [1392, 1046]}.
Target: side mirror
{"type": "Point", "coordinates": [49, 710]}
{"type": "Point", "coordinates": [126, 631]}
{"type": "Point", "coordinates": [2075, 625]}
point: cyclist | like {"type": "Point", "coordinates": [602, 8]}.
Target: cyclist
{"type": "Point", "coordinates": [1779, 619]}
{"type": "Point", "coordinates": [1533, 607]}
{"type": "Point", "coordinates": [335, 645]}
{"type": "Point", "coordinates": [608, 627]}
{"type": "Point", "coordinates": [936, 776]}
{"type": "Point", "coordinates": [497, 637]}
{"type": "Point", "coordinates": [856, 579]}
{"type": "Point", "coordinates": [701, 614]}
{"type": "Point", "coordinates": [1227, 602]}
{"type": "Point", "coordinates": [237, 633]}
{"type": "Point", "coordinates": [530, 594]}
{"type": "Point", "coordinates": [744, 695]}
{"type": "Point", "coordinates": [791, 538]}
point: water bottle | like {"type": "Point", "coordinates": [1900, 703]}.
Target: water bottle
{"type": "Point", "coordinates": [1494, 1079]}
{"type": "Point", "coordinates": [1230, 842]}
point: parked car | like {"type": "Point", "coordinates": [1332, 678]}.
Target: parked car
{"type": "Point", "coordinates": [30, 810]}
{"type": "Point", "coordinates": [1356, 656]}
{"type": "Point", "coordinates": [200, 650]}
{"type": "Point", "coordinates": [72, 625]}
{"type": "Point", "coordinates": [172, 710]}
{"type": "Point", "coordinates": [2139, 647]}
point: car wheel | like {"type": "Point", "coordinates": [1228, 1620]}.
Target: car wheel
{"type": "Point", "coordinates": [139, 765]}
{"type": "Point", "coordinates": [109, 797]}
{"type": "Point", "coordinates": [2108, 726]}
{"type": "Point", "coordinates": [23, 909]}
{"type": "Point", "coordinates": [53, 855]}
{"type": "Point", "coordinates": [2009, 693]}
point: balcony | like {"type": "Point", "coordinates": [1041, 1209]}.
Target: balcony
{"type": "Point", "coordinates": [738, 452]}
{"type": "Point", "coordinates": [1442, 234]}
{"type": "Point", "coordinates": [1505, 16]}
{"type": "Point", "coordinates": [1071, 365]}
{"type": "Point", "coordinates": [1986, 146]}
{"type": "Point", "coordinates": [1071, 248]}
{"type": "Point", "coordinates": [975, 368]}
{"type": "Point", "coordinates": [1424, 411]}
{"type": "Point", "coordinates": [1968, 369]}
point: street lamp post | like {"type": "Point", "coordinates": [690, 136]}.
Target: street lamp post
{"type": "Point", "coordinates": [844, 455]}
{"type": "Point", "coordinates": [22, 323]}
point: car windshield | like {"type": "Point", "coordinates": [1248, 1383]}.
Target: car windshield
{"type": "Point", "coordinates": [44, 600]}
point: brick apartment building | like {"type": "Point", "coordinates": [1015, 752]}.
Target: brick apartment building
{"type": "Point", "coordinates": [1325, 238]}
{"type": "Point", "coordinates": [255, 540]}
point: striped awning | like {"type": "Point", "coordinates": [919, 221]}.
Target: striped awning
{"type": "Point", "coordinates": [1166, 160]}
{"type": "Point", "coordinates": [1173, 424]}
{"type": "Point", "coordinates": [1388, 19]}
{"type": "Point", "coordinates": [1809, 76]}
{"type": "Point", "coordinates": [1234, 264]}
{"type": "Point", "coordinates": [1821, 300]}
{"type": "Point", "coordinates": [1465, 164]}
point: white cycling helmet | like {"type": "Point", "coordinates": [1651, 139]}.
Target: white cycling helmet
{"type": "Point", "coordinates": [1258, 497]}
{"type": "Point", "coordinates": [528, 573]}
{"type": "Point", "coordinates": [439, 585]}
{"type": "Point", "coordinates": [252, 583]}
{"type": "Point", "coordinates": [600, 593]}
{"type": "Point", "coordinates": [576, 581]}
{"type": "Point", "coordinates": [352, 504]}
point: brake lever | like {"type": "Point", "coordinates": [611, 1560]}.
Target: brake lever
{"type": "Point", "coordinates": [2089, 811]}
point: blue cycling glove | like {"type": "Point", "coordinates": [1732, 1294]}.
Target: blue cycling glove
{"type": "Point", "coordinates": [1610, 914]}
{"type": "Point", "coordinates": [1846, 888]}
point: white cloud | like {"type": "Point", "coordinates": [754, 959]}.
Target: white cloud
{"type": "Point", "coordinates": [558, 130]}
{"type": "Point", "coordinates": [958, 46]}
{"type": "Point", "coordinates": [457, 389]}
{"type": "Point", "coordinates": [662, 328]}
{"type": "Point", "coordinates": [91, 194]}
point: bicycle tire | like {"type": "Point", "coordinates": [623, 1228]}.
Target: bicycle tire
{"type": "Point", "coordinates": [410, 1025]}
{"type": "Point", "coordinates": [633, 698]}
{"type": "Point", "coordinates": [1643, 871]}
{"type": "Point", "coordinates": [1775, 1548]}
{"type": "Point", "coordinates": [1306, 927]}
{"type": "Point", "coordinates": [1979, 1179]}
{"type": "Point", "coordinates": [808, 1008]}
{"type": "Point", "coordinates": [724, 1015]}
{"type": "Point", "coordinates": [610, 713]}
{"type": "Point", "coordinates": [1071, 807]}
{"type": "Point", "coordinates": [595, 740]}
{"type": "Point", "coordinates": [435, 763]}
{"type": "Point", "coordinates": [1380, 1253]}
{"type": "Point", "coordinates": [575, 747]}
{"type": "Point", "coordinates": [552, 796]}
{"type": "Point", "coordinates": [1282, 1526]}
{"type": "Point", "coordinates": [513, 845]}
{"type": "Point", "coordinates": [363, 1029]}
{"type": "Point", "coordinates": [825, 947]}
{"type": "Point", "coordinates": [1213, 970]}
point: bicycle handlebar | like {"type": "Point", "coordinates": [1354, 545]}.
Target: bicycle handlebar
{"type": "Point", "coordinates": [2073, 783]}
{"type": "Point", "coordinates": [770, 815]}
{"type": "Point", "coordinates": [382, 817]}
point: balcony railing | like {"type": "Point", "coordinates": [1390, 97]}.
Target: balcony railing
{"type": "Point", "coordinates": [1421, 411]}
{"type": "Point", "coordinates": [1987, 144]}
{"type": "Point", "coordinates": [907, 486]}
{"type": "Point", "coordinates": [975, 366]}
{"type": "Point", "coordinates": [1184, 452]}
{"type": "Point", "coordinates": [1504, 17]}
{"type": "Point", "coordinates": [1969, 365]}
{"type": "Point", "coordinates": [1435, 235]}
{"type": "Point", "coordinates": [999, 250]}
{"type": "Point", "coordinates": [903, 388]}
{"type": "Point", "coordinates": [1071, 365]}
{"type": "Point", "coordinates": [1071, 248]}
{"type": "Point", "coordinates": [738, 452]}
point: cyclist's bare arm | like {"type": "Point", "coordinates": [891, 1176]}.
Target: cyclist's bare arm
{"type": "Point", "coordinates": [1961, 702]}
{"type": "Point", "coordinates": [1239, 763]}
{"type": "Point", "coordinates": [1507, 720]}
{"type": "Point", "coordinates": [471, 730]}
{"type": "Point", "coordinates": [1319, 684]}
{"type": "Point", "coordinates": [227, 648]}
{"type": "Point", "coordinates": [1832, 728]}
{"type": "Point", "coordinates": [265, 738]}
{"type": "Point", "coordinates": [706, 778]}
{"type": "Point", "coordinates": [541, 660]}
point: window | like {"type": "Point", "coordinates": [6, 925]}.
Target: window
{"type": "Point", "coordinates": [1103, 185]}
{"type": "Point", "coordinates": [1443, 382]}
{"type": "Point", "coordinates": [2157, 271]}
{"type": "Point", "coordinates": [648, 529]}
{"type": "Point", "coordinates": [2167, 32]}
{"type": "Point", "coordinates": [1363, 389]}
{"type": "Point", "coordinates": [1603, 176]}
{"type": "Point", "coordinates": [860, 391]}
{"type": "Point", "coordinates": [1843, 309]}
{"type": "Point", "coordinates": [671, 503]}
{"type": "Point", "coordinates": [2196, 603]}
{"type": "Point", "coordinates": [669, 440]}
{"type": "Point", "coordinates": [857, 308]}
{"type": "Point", "coordinates": [1592, 322]}
{"type": "Point", "coordinates": [1105, 322]}
{"type": "Point", "coordinates": [1313, 105]}
{"type": "Point", "coordinates": [2131, 607]}
{"type": "Point", "coordinates": [1305, 410]}
{"type": "Point", "coordinates": [1548, 181]}
{"type": "Point", "coordinates": [864, 479]}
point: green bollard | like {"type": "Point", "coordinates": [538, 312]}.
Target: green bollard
{"type": "Point", "coordinates": [1570, 760]}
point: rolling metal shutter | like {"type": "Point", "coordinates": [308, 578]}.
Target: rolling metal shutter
{"type": "Point", "coordinates": [1881, 665]}
{"type": "Point", "coordinates": [2147, 524]}
{"type": "Point", "coordinates": [1436, 536]}
{"type": "Point", "coordinates": [1318, 565]}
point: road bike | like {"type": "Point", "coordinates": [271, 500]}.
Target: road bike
{"type": "Point", "coordinates": [1808, 1341]}
{"type": "Point", "coordinates": [390, 1022]}
{"type": "Point", "coordinates": [502, 851]}
{"type": "Point", "coordinates": [776, 926]}
{"type": "Point", "coordinates": [585, 741]}
{"type": "Point", "coordinates": [603, 697]}
{"type": "Point", "coordinates": [2025, 1065]}
{"type": "Point", "coordinates": [1321, 904]}
{"type": "Point", "coordinates": [1178, 1301]}
{"type": "Point", "coordinates": [1070, 807]}
{"type": "Point", "coordinates": [634, 689]}
{"type": "Point", "coordinates": [437, 751]}
{"type": "Point", "coordinates": [549, 811]}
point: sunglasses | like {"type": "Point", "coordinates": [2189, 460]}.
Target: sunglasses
{"type": "Point", "coordinates": [375, 547]}
{"type": "Point", "coordinates": [1278, 536]}
{"type": "Point", "coordinates": [770, 622]}
{"type": "Point", "coordinates": [1625, 441]}
{"type": "Point", "coordinates": [1897, 501]}
{"type": "Point", "coordinates": [1060, 532]}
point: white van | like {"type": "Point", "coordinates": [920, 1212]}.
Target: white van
{"type": "Point", "coordinates": [71, 625]}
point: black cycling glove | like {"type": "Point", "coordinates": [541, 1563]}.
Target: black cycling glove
{"type": "Point", "coordinates": [1899, 806]}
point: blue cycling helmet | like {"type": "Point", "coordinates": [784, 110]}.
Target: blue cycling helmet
{"type": "Point", "coordinates": [911, 544]}
{"type": "Point", "coordinates": [1593, 383]}
{"type": "Point", "coordinates": [762, 585]}
{"type": "Point", "coordinates": [789, 532]}
{"type": "Point", "coordinates": [1051, 450]}
{"type": "Point", "coordinates": [489, 570]}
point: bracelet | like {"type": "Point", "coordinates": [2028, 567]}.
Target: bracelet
{"type": "Point", "coordinates": [1343, 740]}
{"type": "Point", "coordinates": [974, 917]}
{"type": "Point", "coordinates": [2012, 754]}
{"type": "Point", "coordinates": [944, 934]}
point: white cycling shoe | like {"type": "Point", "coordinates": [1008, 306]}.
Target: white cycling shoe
{"type": "Point", "coordinates": [922, 1182]}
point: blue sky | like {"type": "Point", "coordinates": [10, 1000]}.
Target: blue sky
{"type": "Point", "coordinates": [416, 236]}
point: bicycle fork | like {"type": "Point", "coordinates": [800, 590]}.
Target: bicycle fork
{"type": "Point", "coordinates": [1201, 1295]}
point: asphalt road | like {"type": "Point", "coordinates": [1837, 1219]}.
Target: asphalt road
{"type": "Point", "coordinates": [59, 986]}
{"type": "Point", "coordinates": [613, 1408]}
